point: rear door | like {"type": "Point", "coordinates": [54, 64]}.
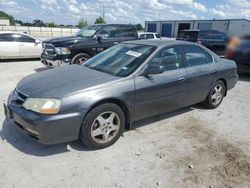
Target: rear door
{"type": "Point", "coordinates": [9, 47]}
{"type": "Point", "coordinates": [28, 46]}
{"type": "Point", "coordinates": [160, 93]}
{"type": "Point", "coordinates": [201, 70]}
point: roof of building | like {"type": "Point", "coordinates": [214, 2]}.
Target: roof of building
{"type": "Point", "coordinates": [243, 19]}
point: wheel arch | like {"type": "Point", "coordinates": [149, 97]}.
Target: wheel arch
{"type": "Point", "coordinates": [119, 103]}
{"type": "Point", "coordinates": [225, 83]}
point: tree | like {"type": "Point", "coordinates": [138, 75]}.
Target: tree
{"type": "Point", "coordinates": [38, 23]}
{"type": "Point", "coordinates": [7, 16]}
{"type": "Point", "coordinates": [82, 23]}
{"type": "Point", "coordinates": [139, 27]}
{"type": "Point", "coordinates": [52, 24]}
{"type": "Point", "coordinates": [100, 20]}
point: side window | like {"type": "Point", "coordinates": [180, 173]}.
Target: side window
{"type": "Point", "coordinates": [149, 36]}
{"type": "Point", "coordinates": [195, 56]}
{"type": "Point", "coordinates": [7, 37]}
{"type": "Point", "coordinates": [168, 58]}
{"type": "Point", "coordinates": [126, 31]}
{"type": "Point", "coordinates": [108, 32]}
{"type": "Point", "coordinates": [142, 36]}
{"type": "Point", "coordinates": [157, 36]}
{"type": "Point", "coordinates": [24, 38]}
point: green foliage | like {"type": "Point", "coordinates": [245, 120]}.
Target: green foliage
{"type": "Point", "coordinates": [139, 27]}
{"type": "Point", "coordinates": [82, 23]}
{"type": "Point", "coordinates": [52, 24]}
{"type": "Point", "coordinates": [100, 20]}
{"type": "Point", "coordinates": [7, 16]}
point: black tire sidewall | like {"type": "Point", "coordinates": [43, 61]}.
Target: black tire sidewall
{"type": "Point", "coordinates": [78, 56]}
{"type": "Point", "coordinates": [85, 133]}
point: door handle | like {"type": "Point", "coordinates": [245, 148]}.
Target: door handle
{"type": "Point", "coordinates": [181, 79]}
{"type": "Point", "coordinates": [214, 72]}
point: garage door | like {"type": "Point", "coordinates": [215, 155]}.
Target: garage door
{"type": "Point", "coordinates": [166, 30]}
{"type": "Point", "coordinates": [152, 27]}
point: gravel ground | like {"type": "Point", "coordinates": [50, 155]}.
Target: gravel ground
{"type": "Point", "coordinates": [191, 147]}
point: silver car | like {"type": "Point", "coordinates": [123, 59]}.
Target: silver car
{"type": "Point", "coordinates": [19, 45]}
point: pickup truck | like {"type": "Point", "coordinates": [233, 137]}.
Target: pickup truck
{"type": "Point", "coordinates": [88, 42]}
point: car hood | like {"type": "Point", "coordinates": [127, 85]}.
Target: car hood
{"type": "Point", "coordinates": [59, 82]}
{"type": "Point", "coordinates": [65, 41]}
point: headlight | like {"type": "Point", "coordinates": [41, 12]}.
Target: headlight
{"type": "Point", "coordinates": [42, 106]}
{"type": "Point", "coordinates": [62, 51]}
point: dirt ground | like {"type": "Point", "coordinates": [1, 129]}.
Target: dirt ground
{"type": "Point", "coordinates": [192, 147]}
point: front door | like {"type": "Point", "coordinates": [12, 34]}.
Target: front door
{"type": "Point", "coordinates": [159, 93]}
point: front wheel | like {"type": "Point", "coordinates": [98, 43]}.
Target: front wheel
{"type": "Point", "coordinates": [102, 126]}
{"type": "Point", "coordinates": [79, 59]}
{"type": "Point", "coordinates": [216, 95]}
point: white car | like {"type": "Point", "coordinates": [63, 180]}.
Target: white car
{"type": "Point", "coordinates": [149, 35]}
{"type": "Point", "coordinates": [19, 45]}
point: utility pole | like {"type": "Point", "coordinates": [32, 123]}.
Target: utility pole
{"type": "Point", "coordinates": [103, 12]}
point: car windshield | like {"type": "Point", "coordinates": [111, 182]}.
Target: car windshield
{"type": "Point", "coordinates": [88, 31]}
{"type": "Point", "coordinates": [188, 35]}
{"type": "Point", "coordinates": [120, 60]}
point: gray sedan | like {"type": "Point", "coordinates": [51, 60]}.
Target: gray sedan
{"type": "Point", "coordinates": [128, 82]}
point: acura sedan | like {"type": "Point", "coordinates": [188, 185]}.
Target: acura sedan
{"type": "Point", "coordinates": [131, 81]}
{"type": "Point", "coordinates": [19, 45]}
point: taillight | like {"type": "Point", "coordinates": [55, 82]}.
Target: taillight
{"type": "Point", "coordinates": [229, 54]}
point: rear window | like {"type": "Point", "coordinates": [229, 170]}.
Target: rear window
{"type": "Point", "coordinates": [212, 35]}
{"type": "Point", "coordinates": [187, 35]}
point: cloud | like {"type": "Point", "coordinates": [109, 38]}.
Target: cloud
{"type": "Point", "coordinates": [120, 11]}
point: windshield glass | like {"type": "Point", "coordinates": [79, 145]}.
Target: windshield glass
{"type": "Point", "coordinates": [120, 60]}
{"type": "Point", "coordinates": [88, 31]}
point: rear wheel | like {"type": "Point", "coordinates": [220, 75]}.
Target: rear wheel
{"type": "Point", "coordinates": [216, 95]}
{"type": "Point", "coordinates": [80, 58]}
{"type": "Point", "coordinates": [102, 126]}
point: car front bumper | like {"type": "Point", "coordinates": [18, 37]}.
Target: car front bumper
{"type": "Point", "coordinates": [46, 129]}
{"type": "Point", "coordinates": [54, 61]}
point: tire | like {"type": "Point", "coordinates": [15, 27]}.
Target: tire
{"type": "Point", "coordinates": [99, 129]}
{"type": "Point", "coordinates": [80, 58]}
{"type": "Point", "coordinates": [216, 95]}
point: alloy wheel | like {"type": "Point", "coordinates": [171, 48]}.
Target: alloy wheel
{"type": "Point", "coordinates": [217, 95]}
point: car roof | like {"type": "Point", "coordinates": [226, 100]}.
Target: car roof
{"type": "Point", "coordinates": [17, 32]}
{"type": "Point", "coordinates": [140, 33]}
{"type": "Point", "coordinates": [158, 43]}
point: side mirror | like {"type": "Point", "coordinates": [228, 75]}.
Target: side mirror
{"type": "Point", "coordinates": [37, 42]}
{"type": "Point", "coordinates": [99, 39]}
{"type": "Point", "coordinates": [153, 69]}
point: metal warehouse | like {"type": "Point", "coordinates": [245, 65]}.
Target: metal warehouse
{"type": "Point", "coordinates": [232, 27]}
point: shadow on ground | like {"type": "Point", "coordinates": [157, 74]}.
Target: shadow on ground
{"type": "Point", "coordinates": [18, 60]}
{"type": "Point", "coordinates": [11, 134]}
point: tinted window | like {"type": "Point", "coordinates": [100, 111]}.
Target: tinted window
{"type": "Point", "coordinates": [212, 35]}
{"type": "Point", "coordinates": [169, 58]}
{"type": "Point", "coordinates": [109, 32]}
{"type": "Point", "coordinates": [23, 38]}
{"type": "Point", "coordinates": [194, 56]}
{"type": "Point", "coordinates": [188, 35]}
{"type": "Point", "coordinates": [142, 36]}
{"type": "Point", "coordinates": [157, 36]}
{"type": "Point", "coordinates": [149, 36]}
{"type": "Point", "coordinates": [120, 60]}
{"type": "Point", "coordinates": [7, 37]}
{"type": "Point", "coordinates": [126, 31]}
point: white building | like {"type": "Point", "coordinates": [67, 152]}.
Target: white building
{"type": "Point", "coordinates": [4, 21]}
{"type": "Point", "coordinates": [232, 27]}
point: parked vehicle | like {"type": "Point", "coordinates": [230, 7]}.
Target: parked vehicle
{"type": "Point", "coordinates": [87, 43]}
{"type": "Point", "coordinates": [212, 39]}
{"type": "Point", "coordinates": [19, 45]}
{"type": "Point", "coordinates": [128, 82]}
{"type": "Point", "coordinates": [240, 53]}
{"type": "Point", "coordinates": [148, 36]}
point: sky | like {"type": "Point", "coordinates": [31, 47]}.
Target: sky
{"type": "Point", "coordinates": [124, 11]}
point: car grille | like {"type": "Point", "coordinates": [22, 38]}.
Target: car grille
{"type": "Point", "coordinates": [49, 49]}
{"type": "Point", "coordinates": [18, 97]}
